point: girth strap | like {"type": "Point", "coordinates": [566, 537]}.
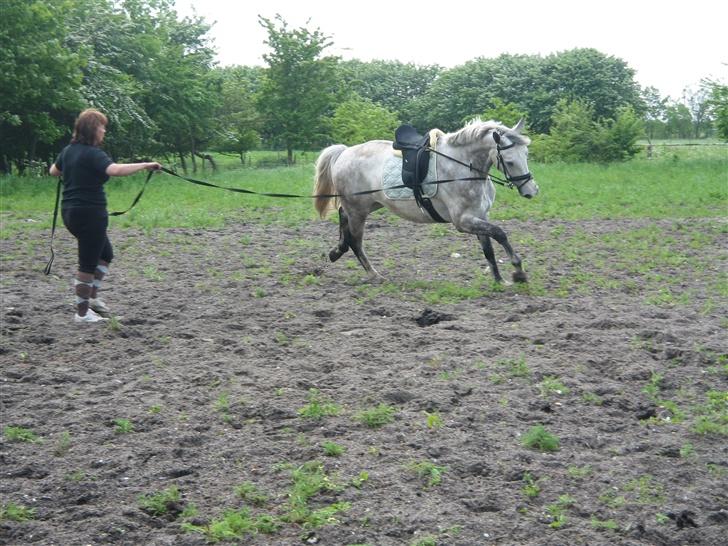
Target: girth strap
{"type": "Point", "coordinates": [422, 201]}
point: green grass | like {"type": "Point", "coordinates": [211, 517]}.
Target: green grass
{"type": "Point", "coordinates": [158, 504]}
{"type": "Point", "coordinates": [318, 407]}
{"type": "Point", "coordinates": [686, 182]}
{"type": "Point", "coordinates": [20, 434]}
{"type": "Point", "coordinates": [250, 493]}
{"type": "Point", "coordinates": [428, 471]}
{"type": "Point", "coordinates": [539, 438]}
{"type": "Point", "coordinates": [123, 426]}
{"type": "Point", "coordinates": [16, 512]}
{"type": "Point", "coordinates": [378, 416]}
{"type": "Point", "coordinates": [636, 189]}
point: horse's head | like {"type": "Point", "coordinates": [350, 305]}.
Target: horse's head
{"type": "Point", "coordinates": [510, 156]}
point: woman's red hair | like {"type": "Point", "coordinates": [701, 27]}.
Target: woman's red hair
{"type": "Point", "coordinates": [85, 130]}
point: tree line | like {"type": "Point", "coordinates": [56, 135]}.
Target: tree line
{"type": "Point", "coordinates": [155, 76]}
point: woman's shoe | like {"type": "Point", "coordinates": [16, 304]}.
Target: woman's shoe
{"type": "Point", "coordinates": [90, 316]}
{"type": "Point", "coordinates": [98, 305]}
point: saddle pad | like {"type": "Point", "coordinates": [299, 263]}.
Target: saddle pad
{"type": "Point", "coordinates": [392, 176]}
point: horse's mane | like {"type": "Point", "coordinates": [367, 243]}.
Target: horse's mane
{"type": "Point", "coordinates": [477, 129]}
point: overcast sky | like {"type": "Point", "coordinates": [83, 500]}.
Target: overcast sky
{"type": "Point", "coordinates": [670, 44]}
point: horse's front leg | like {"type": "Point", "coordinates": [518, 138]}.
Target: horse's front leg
{"type": "Point", "coordinates": [487, 247]}
{"type": "Point", "coordinates": [484, 231]}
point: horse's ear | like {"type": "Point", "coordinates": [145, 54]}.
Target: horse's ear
{"type": "Point", "coordinates": [496, 137]}
{"type": "Point", "coordinates": [519, 126]}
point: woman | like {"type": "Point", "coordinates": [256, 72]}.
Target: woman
{"type": "Point", "coordinates": [85, 169]}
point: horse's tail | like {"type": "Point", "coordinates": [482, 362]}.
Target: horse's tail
{"type": "Point", "coordinates": [323, 182]}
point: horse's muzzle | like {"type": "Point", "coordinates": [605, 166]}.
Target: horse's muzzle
{"type": "Point", "coordinates": [529, 190]}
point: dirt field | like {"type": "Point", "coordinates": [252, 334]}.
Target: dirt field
{"type": "Point", "coordinates": [229, 341]}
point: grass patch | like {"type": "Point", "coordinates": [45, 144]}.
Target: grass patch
{"type": "Point", "coordinates": [250, 493]}
{"type": "Point", "coordinates": [539, 438]}
{"type": "Point", "coordinates": [530, 486]}
{"type": "Point", "coordinates": [16, 512]}
{"type": "Point", "coordinates": [552, 386]}
{"type": "Point", "coordinates": [123, 426]}
{"type": "Point", "coordinates": [608, 524]}
{"type": "Point", "coordinates": [235, 524]}
{"type": "Point", "coordinates": [378, 416]}
{"type": "Point", "coordinates": [161, 503]}
{"type": "Point", "coordinates": [318, 407]}
{"type": "Point", "coordinates": [20, 434]}
{"type": "Point", "coordinates": [332, 449]}
{"type": "Point", "coordinates": [430, 472]}
{"type": "Point", "coordinates": [309, 480]}
{"type": "Point", "coordinates": [712, 416]}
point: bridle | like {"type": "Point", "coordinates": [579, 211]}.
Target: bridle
{"type": "Point", "coordinates": [517, 181]}
{"type": "Point", "coordinates": [509, 181]}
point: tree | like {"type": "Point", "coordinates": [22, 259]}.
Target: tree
{"type": "Point", "coordinates": [679, 121]}
{"type": "Point", "coordinates": [181, 92]}
{"type": "Point", "coordinates": [509, 114]}
{"type": "Point", "coordinates": [655, 110]}
{"type": "Point", "coordinates": [40, 80]}
{"type": "Point", "coordinates": [697, 102]}
{"type": "Point", "coordinates": [718, 103]}
{"type": "Point", "coordinates": [603, 81]}
{"type": "Point", "coordinates": [359, 120]}
{"type": "Point", "coordinates": [239, 121]}
{"type": "Point", "coordinates": [300, 87]}
{"type": "Point", "coordinates": [460, 93]}
{"type": "Point", "coordinates": [117, 50]}
{"type": "Point", "coordinates": [391, 84]}
{"type": "Point", "coordinates": [533, 84]}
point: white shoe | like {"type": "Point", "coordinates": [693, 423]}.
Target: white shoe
{"type": "Point", "coordinates": [90, 316]}
{"type": "Point", "coordinates": [98, 305]}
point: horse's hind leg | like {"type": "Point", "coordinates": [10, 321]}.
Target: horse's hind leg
{"type": "Point", "coordinates": [344, 237]}
{"type": "Point", "coordinates": [356, 232]}
{"type": "Point", "coordinates": [484, 229]}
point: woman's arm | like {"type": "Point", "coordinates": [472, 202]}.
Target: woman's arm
{"type": "Point", "coordinates": [125, 169]}
{"type": "Point", "coordinates": [54, 171]}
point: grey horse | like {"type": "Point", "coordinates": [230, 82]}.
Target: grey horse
{"type": "Point", "coordinates": [344, 171]}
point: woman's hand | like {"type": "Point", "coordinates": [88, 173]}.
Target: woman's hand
{"type": "Point", "coordinates": [153, 166]}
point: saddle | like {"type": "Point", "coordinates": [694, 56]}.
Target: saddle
{"type": "Point", "coordinates": [415, 160]}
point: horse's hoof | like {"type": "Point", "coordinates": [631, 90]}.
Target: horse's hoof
{"type": "Point", "coordinates": [519, 276]}
{"type": "Point", "coordinates": [375, 279]}
{"type": "Point", "coordinates": [335, 255]}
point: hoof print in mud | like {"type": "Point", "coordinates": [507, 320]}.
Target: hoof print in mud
{"type": "Point", "coordinates": [430, 317]}
{"type": "Point", "coordinates": [683, 519]}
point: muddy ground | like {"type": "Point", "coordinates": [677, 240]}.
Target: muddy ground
{"type": "Point", "coordinates": [221, 336]}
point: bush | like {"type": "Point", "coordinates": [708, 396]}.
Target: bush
{"type": "Point", "coordinates": [360, 120]}
{"type": "Point", "coordinates": [577, 137]}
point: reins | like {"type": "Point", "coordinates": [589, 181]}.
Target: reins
{"type": "Point", "coordinates": [299, 196]}
{"type": "Point", "coordinates": [47, 269]}
{"type": "Point", "coordinates": [509, 182]}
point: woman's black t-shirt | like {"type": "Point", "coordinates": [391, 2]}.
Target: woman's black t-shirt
{"type": "Point", "coordinates": [84, 175]}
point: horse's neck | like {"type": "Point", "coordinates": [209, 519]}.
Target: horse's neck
{"type": "Point", "coordinates": [476, 154]}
